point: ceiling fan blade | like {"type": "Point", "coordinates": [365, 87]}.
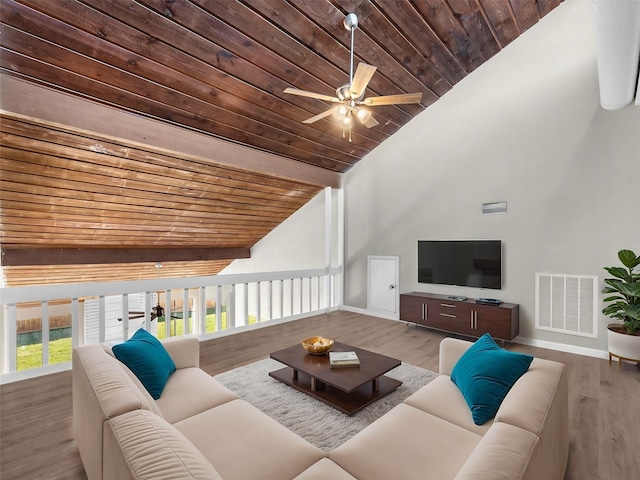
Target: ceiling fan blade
{"type": "Point", "coordinates": [403, 98]}
{"type": "Point", "coordinates": [361, 79]}
{"type": "Point", "coordinates": [315, 118]}
{"type": "Point", "coordinates": [304, 93]}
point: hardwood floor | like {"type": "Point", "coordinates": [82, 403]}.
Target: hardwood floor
{"type": "Point", "coordinates": [35, 415]}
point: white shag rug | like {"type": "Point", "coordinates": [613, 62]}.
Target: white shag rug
{"type": "Point", "coordinates": [315, 421]}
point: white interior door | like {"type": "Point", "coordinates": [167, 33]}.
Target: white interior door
{"type": "Point", "coordinates": [382, 284]}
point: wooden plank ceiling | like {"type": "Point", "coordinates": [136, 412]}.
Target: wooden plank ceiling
{"type": "Point", "coordinates": [218, 67]}
{"type": "Point", "coordinates": [106, 200]}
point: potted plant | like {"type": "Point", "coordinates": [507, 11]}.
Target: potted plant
{"type": "Point", "coordinates": [623, 305]}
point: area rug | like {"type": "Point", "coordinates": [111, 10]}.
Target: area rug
{"type": "Point", "coordinates": [317, 422]}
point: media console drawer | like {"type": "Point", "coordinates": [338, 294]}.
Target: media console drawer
{"type": "Point", "coordinates": [462, 317]}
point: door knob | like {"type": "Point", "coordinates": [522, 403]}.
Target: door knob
{"type": "Point", "coordinates": [392, 286]}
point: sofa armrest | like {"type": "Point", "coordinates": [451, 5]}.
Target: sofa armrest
{"type": "Point", "coordinates": [184, 351]}
{"type": "Point", "coordinates": [504, 453]}
{"type": "Point", "coordinates": [451, 349]}
{"type": "Point", "coordinates": [101, 390]}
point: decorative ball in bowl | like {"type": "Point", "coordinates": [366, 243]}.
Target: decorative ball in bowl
{"type": "Point", "coordinates": [317, 345]}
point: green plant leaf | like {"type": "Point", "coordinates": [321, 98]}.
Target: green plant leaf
{"type": "Point", "coordinates": [632, 325]}
{"type": "Point", "coordinates": [628, 258]}
{"type": "Point", "coordinates": [632, 311]}
{"type": "Point", "coordinates": [613, 299]}
{"type": "Point", "coordinates": [618, 272]}
{"type": "Point", "coordinates": [629, 289]}
{"type": "Point", "coordinates": [609, 290]}
{"type": "Point", "coordinates": [614, 284]}
{"type": "Point", "coordinates": [614, 310]}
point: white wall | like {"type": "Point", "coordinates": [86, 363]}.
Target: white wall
{"type": "Point", "coordinates": [298, 243]}
{"type": "Point", "coordinates": [526, 127]}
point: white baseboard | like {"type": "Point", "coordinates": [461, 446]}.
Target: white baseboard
{"type": "Point", "coordinates": [347, 308]}
{"type": "Point", "coordinates": [562, 347]}
{"type": "Point", "coordinates": [371, 313]}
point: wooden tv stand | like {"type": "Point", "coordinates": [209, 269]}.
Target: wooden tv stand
{"type": "Point", "coordinates": [463, 317]}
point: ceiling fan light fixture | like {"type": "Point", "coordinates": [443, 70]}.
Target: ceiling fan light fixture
{"type": "Point", "coordinates": [346, 120]}
{"type": "Point", "coordinates": [363, 115]}
{"type": "Point", "coordinates": [340, 111]}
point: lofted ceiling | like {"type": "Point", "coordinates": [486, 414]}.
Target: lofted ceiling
{"type": "Point", "coordinates": [217, 68]}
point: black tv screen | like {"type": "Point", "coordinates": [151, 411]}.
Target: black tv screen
{"type": "Point", "coordinates": [468, 263]}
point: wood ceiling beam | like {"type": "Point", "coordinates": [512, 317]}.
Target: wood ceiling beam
{"type": "Point", "coordinates": [12, 257]}
{"type": "Point", "coordinates": [43, 103]}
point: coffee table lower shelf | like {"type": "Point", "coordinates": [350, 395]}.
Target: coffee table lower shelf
{"type": "Point", "coordinates": [346, 402]}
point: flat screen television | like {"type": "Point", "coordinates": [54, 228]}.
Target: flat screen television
{"type": "Point", "coordinates": [467, 263]}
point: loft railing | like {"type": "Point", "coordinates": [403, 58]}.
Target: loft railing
{"type": "Point", "coordinates": [112, 311]}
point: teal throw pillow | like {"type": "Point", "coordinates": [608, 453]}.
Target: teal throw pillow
{"type": "Point", "coordinates": [485, 374]}
{"type": "Point", "coordinates": [147, 359]}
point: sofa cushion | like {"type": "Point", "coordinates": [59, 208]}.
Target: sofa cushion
{"type": "Point", "coordinates": [406, 443]}
{"type": "Point", "coordinates": [442, 398]}
{"type": "Point", "coordinates": [140, 445]}
{"type": "Point", "coordinates": [230, 434]}
{"type": "Point", "coordinates": [325, 469]}
{"type": "Point", "coordinates": [143, 391]}
{"type": "Point", "coordinates": [504, 453]}
{"type": "Point", "coordinates": [485, 373]}
{"type": "Point", "coordinates": [147, 358]}
{"type": "Point", "coordinates": [190, 391]}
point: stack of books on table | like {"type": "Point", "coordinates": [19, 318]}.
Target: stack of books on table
{"type": "Point", "coordinates": [343, 359]}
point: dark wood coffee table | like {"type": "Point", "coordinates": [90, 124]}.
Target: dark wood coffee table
{"type": "Point", "coordinates": [349, 389]}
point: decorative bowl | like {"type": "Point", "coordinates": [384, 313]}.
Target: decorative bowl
{"type": "Point", "coordinates": [317, 345]}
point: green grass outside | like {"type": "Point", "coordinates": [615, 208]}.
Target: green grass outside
{"type": "Point", "coordinates": [30, 356]}
{"type": "Point", "coordinates": [179, 325]}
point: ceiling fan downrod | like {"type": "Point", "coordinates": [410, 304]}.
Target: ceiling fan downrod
{"type": "Point", "coordinates": [350, 22]}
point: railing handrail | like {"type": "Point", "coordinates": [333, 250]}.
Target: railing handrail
{"type": "Point", "coordinates": [37, 293]}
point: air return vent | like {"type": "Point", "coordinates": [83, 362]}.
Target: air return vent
{"type": "Point", "coordinates": [567, 303]}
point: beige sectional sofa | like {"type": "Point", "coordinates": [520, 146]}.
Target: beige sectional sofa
{"type": "Point", "coordinates": [197, 429]}
{"type": "Point", "coordinates": [200, 429]}
{"type": "Point", "coordinates": [432, 434]}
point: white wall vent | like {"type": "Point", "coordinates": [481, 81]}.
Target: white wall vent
{"type": "Point", "coordinates": [567, 304]}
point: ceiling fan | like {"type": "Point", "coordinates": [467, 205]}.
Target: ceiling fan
{"type": "Point", "coordinates": [157, 311]}
{"type": "Point", "coordinates": [350, 97]}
